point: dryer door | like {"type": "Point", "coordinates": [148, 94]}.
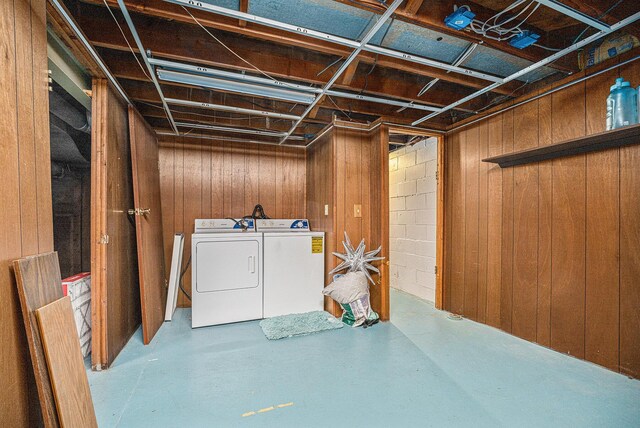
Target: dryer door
{"type": "Point", "coordinates": [227, 265]}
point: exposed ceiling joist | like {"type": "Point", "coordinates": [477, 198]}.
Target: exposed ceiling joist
{"type": "Point", "coordinates": [281, 63]}
{"type": "Point", "coordinates": [160, 9]}
{"type": "Point", "coordinates": [438, 10]}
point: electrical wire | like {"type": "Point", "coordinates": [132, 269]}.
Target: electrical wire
{"type": "Point", "coordinates": [235, 54]}
{"type": "Point", "coordinates": [602, 15]}
{"type": "Point", "coordinates": [502, 98]}
{"type": "Point", "coordinates": [329, 66]}
{"type": "Point", "coordinates": [338, 107]}
{"type": "Point", "coordinates": [180, 282]}
{"type": "Point", "coordinates": [497, 28]}
{"type": "Point", "coordinates": [126, 40]}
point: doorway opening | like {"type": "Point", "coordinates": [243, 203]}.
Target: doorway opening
{"type": "Point", "coordinates": [414, 220]}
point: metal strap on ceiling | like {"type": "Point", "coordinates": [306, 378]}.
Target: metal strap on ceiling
{"type": "Point", "coordinates": [575, 14]}
{"type": "Point", "coordinates": [352, 56]}
{"type": "Point", "coordinates": [231, 109]}
{"type": "Point", "coordinates": [256, 80]}
{"type": "Point", "coordinates": [143, 53]}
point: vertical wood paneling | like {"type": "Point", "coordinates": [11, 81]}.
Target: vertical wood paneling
{"type": "Point", "coordinates": [40, 101]}
{"type": "Point", "coordinates": [471, 232]}
{"type": "Point", "coordinates": [483, 208]}
{"type": "Point", "coordinates": [217, 180]}
{"type": "Point", "coordinates": [506, 290]}
{"type": "Point", "coordinates": [457, 224]}
{"type": "Point", "coordinates": [344, 169]}
{"type": "Point", "coordinates": [448, 227]}
{"type": "Point", "coordinates": [630, 249]}
{"type": "Point", "coordinates": [178, 209]}
{"type": "Point", "coordinates": [165, 165]}
{"type": "Point", "coordinates": [25, 117]}
{"type": "Point", "coordinates": [568, 222]}
{"type": "Point", "coordinates": [201, 179]}
{"type": "Point", "coordinates": [267, 182]}
{"type": "Point", "coordinates": [14, 397]}
{"type": "Point", "coordinates": [494, 226]}
{"type": "Point", "coordinates": [545, 210]}
{"type": "Point", "coordinates": [525, 225]}
{"type": "Point", "coordinates": [603, 232]}
{"type": "Point", "coordinates": [205, 182]}
{"type": "Point", "coordinates": [563, 238]}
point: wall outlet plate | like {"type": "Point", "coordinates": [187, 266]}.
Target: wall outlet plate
{"type": "Point", "coordinates": [326, 209]}
{"type": "Point", "coordinates": [357, 210]}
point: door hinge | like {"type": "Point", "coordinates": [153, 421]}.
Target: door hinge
{"type": "Point", "coordinates": [139, 211]}
{"type": "Point", "coordinates": [104, 239]}
{"type": "Point", "coordinates": [435, 270]}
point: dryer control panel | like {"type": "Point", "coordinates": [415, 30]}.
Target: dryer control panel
{"type": "Point", "coordinates": [217, 225]}
{"type": "Point", "coordinates": [282, 225]}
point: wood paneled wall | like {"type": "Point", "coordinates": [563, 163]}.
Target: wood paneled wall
{"type": "Point", "coordinates": [548, 251]}
{"type": "Point", "coordinates": [201, 178]}
{"type": "Point", "coordinates": [320, 192]}
{"type": "Point", "coordinates": [348, 167]}
{"type": "Point", "coordinates": [115, 301]}
{"type": "Point", "coordinates": [25, 200]}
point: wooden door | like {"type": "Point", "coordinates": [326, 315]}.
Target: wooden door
{"type": "Point", "coordinates": [148, 215]}
{"type": "Point", "coordinates": [115, 301]}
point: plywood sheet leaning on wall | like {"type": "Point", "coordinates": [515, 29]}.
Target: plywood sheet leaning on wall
{"type": "Point", "coordinates": [39, 283]}
{"type": "Point", "coordinates": [66, 367]}
{"type": "Point", "coordinates": [148, 215]}
{"type": "Point", "coordinates": [115, 303]}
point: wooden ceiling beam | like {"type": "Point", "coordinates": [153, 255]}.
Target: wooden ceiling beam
{"type": "Point", "coordinates": [161, 9]}
{"type": "Point", "coordinates": [244, 7]}
{"type": "Point", "coordinates": [413, 6]}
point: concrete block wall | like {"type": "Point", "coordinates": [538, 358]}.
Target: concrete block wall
{"type": "Point", "coordinates": [412, 218]}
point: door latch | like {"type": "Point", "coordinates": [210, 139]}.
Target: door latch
{"type": "Point", "coordinates": [140, 211]}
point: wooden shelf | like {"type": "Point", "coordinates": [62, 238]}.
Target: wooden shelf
{"type": "Point", "coordinates": [604, 140]}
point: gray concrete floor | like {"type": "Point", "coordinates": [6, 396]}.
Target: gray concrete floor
{"type": "Point", "coordinates": [419, 370]}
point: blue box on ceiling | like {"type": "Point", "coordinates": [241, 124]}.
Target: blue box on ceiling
{"type": "Point", "coordinates": [524, 39]}
{"type": "Point", "coordinates": [459, 19]}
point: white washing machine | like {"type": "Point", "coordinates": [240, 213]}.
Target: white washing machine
{"type": "Point", "coordinates": [293, 267]}
{"type": "Point", "coordinates": [227, 272]}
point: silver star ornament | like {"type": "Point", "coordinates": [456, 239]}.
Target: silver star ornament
{"type": "Point", "coordinates": [355, 260]}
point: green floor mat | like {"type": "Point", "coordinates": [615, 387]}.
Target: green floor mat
{"type": "Point", "coordinates": [299, 324]}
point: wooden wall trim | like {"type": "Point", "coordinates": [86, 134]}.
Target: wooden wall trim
{"type": "Point", "coordinates": [440, 224]}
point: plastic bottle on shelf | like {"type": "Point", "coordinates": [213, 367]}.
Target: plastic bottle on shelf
{"type": "Point", "coordinates": [622, 105]}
